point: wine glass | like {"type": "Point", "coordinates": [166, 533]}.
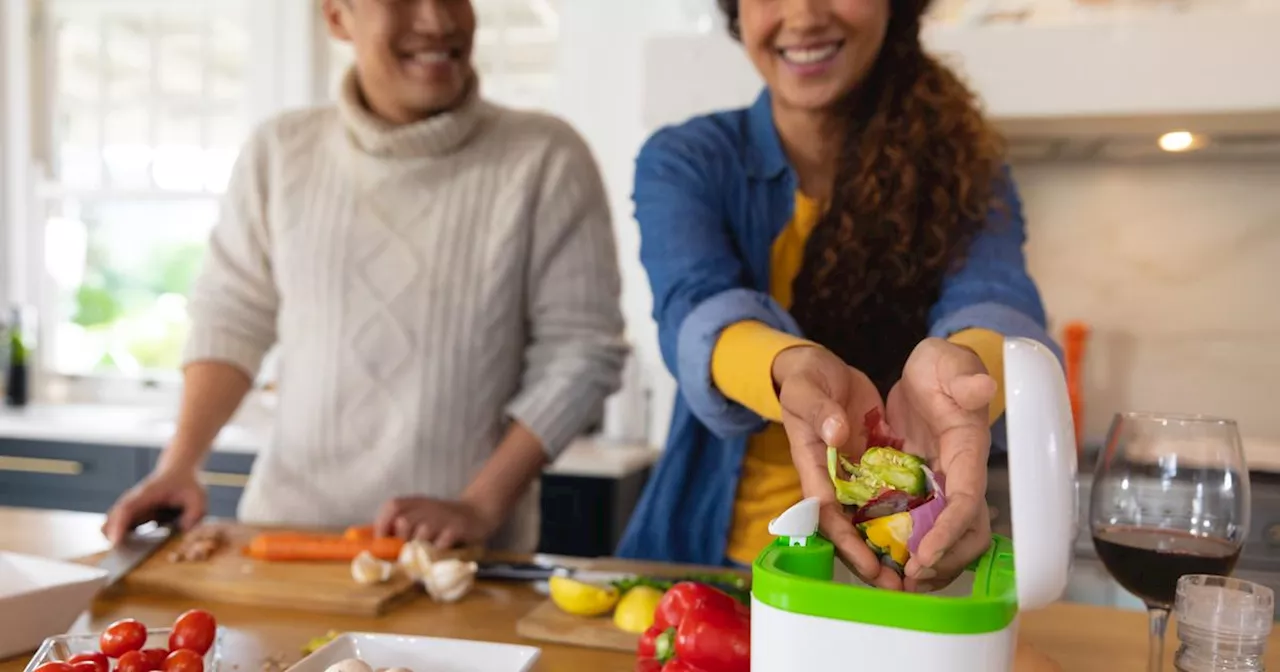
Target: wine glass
{"type": "Point", "coordinates": [1170, 497]}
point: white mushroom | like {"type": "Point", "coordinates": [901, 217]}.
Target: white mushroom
{"type": "Point", "coordinates": [399, 669]}
{"type": "Point", "coordinates": [449, 580]}
{"type": "Point", "coordinates": [350, 665]}
{"type": "Point", "coordinates": [367, 570]}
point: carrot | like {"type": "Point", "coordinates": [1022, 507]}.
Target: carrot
{"type": "Point", "coordinates": [293, 547]}
{"type": "Point", "coordinates": [360, 533]}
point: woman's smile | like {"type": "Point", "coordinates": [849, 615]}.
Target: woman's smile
{"type": "Point", "coordinates": [811, 58]}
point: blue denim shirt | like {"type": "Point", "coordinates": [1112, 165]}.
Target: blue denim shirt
{"type": "Point", "coordinates": [711, 195]}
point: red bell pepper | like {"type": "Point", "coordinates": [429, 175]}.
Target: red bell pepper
{"type": "Point", "coordinates": [697, 628]}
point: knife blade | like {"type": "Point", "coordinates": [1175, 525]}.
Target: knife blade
{"type": "Point", "coordinates": [140, 544]}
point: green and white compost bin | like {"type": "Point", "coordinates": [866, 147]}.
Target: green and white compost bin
{"type": "Point", "coordinates": [802, 619]}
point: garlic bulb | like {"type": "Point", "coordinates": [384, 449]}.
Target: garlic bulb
{"type": "Point", "coordinates": [416, 559]}
{"type": "Point", "coordinates": [350, 665]}
{"type": "Point", "coordinates": [449, 580]}
{"type": "Point", "coordinates": [368, 570]}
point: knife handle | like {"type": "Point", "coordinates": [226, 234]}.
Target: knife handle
{"type": "Point", "coordinates": [168, 515]}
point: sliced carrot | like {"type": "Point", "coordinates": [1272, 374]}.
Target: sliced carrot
{"type": "Point", "coordinates": [293, 547]}
{"type": "Point", "coordinates": [359, 533]}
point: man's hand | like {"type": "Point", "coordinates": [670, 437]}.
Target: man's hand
{"type": "Point", "coordinates": [442, 523]}
{"type": "Point", "coordinates": [176, 488]}
{"type": "Point", "coordinates": [940, 408]}
{"type": "Point", "coordinates": [819, 394]}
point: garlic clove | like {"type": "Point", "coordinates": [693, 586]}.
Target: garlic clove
{"type": "Point", "coordinates": [368, 570]}
{"type": "Point", "coordinates": [416, 559]}
{"type": "Point", "coordinates": [450, 580]}
{"type": "Point", "coordinates": [349, 665]}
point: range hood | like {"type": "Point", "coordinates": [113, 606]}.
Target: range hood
{"type": "Point", "coordinates": [1061, 90]}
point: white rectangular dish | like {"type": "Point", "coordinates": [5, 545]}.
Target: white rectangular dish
{"type": "Point", "coordinates": [40, 598]}
{"type": "Point", "coordinates": [420, 654]}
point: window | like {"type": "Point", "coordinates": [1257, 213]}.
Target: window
{"type": "Point", "coordinates": [515, 52]}
{"type": "Point", "coordinates": [147, 109]}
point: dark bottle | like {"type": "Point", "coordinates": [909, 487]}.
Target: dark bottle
{"type": "Point", "coordinates": [18, 377]}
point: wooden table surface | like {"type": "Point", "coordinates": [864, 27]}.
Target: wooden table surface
{"type": "Point", "coordinates": [1079, 638]}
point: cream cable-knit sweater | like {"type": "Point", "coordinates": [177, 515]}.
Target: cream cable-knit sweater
{"type": "Point", "coordinates": [425, 284]}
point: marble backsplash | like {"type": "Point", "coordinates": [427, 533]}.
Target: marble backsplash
{"type": "Point", "coordinates": [1176, 267]}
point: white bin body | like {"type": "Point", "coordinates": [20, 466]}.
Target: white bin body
{"type": "Point", "coordinates": [785, 642]}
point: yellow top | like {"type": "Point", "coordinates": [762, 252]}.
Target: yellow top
{"type": "Point", "coordinates": [742, 368]}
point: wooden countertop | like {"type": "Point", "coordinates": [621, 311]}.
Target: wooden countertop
{"type": "Point", "coordinates": [1079, 638]}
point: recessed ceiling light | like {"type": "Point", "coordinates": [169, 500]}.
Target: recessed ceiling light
{"type": "Point", "coordinates": [1180, 141]}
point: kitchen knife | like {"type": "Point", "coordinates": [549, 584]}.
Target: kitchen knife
{"type": "Point", "coordinates": [529, 571]}
{"type": "Point", "coordinates": [139, 545]}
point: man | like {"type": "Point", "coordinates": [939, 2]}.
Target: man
{"type": "Point", "coordinates": [441, 277]}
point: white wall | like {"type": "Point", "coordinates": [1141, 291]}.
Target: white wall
{"type": "Point", "coordinates": [601, 70]}
{"type": "Point", "coordinates": [1177, 269]}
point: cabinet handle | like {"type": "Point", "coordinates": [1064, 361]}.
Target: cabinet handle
{"type": "Point", "coordinates": [41, 465]}
{"type": "Point", "coordinates": [224, 480]}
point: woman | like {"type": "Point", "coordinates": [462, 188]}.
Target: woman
{"type": "Point", "coordinates": [852, 241]}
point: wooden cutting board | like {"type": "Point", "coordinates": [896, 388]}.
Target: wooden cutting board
{"type": "Point", "coordinates": [230, 577]}
{"type": "Point", "coordinates": [548, 623]}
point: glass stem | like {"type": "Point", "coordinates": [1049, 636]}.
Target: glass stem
{"type": "Point", "coordinates": [1159, 621]}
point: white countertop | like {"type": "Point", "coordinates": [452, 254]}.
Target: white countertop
{"type": "Point", "coordinates": [119, 425]}
{"type": "Point", "coordinates": [152, 427]}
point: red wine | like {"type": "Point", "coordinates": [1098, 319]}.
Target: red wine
{"type": "Point", "coordinates": [1148, 563]}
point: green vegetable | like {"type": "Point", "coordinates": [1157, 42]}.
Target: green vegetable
{"type": "Point", "coordinates": [729, 582]}
{"type": "Point", "coordinates": [879, 469]}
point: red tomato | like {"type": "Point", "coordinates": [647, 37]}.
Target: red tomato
{"type": "Point", "coordinates": [184, 660]}
{"type": "Point", "coordinates": [132, 661]}
{"type": "Point", "coordinates": [54, 667]}
{"type": "Point", "coordinates": [155, 658]}
{"type": "Point", "coordinates": [194, 631]}
{"type": "Point", "coordinates": [122, 637]}
{"type": "Point", "coordinates": [97, 659]}
{"type": "Point", "coordinates": [85, 666]}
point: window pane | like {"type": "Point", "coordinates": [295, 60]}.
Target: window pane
{"type": "Point", "coordinates": [128, 58]}
{"type": "Point", "coordinates": [126, 149]}
{"type": "Point", "coordinates": [79, 158]}
{"type": "Point", "coordinates": [180, 58]}
{"type": "Point", "coordinates": [228, 61]}
{"type": "Point", "coordinates": [122, 270]}
{"type": "Point", "coordinates": [79, 61]}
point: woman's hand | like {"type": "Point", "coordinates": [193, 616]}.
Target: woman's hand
{"type": "Point", "coordinates": [819, 394]}
{"type": "Point", "coordinates": [940, 408]}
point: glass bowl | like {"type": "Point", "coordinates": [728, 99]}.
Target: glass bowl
{"type": "Point", "coordinates": [60, 648]}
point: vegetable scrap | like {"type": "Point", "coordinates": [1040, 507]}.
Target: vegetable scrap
{"type": "Point", "coordinates": [697, 628]}
{"type": "Point", "coordinates": [199, 545]}
{"type": "Point", "coordinates": [895, 496]}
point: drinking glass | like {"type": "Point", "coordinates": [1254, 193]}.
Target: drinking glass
{"type": "Point", "coordinates": [1170, 497]}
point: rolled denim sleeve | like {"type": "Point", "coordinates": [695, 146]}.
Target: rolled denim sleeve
{"type": "Point", "coordinates": [993, 290]}
{"type": "Point", "coordinates": [698, 279]}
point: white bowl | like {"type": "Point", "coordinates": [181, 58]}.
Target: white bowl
{"type": "Point", "coordinates": [40, 598]}
{"type": "Point", "coordinates": [420, 654]}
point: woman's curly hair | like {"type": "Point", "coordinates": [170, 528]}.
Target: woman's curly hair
{"type": "Point", "coordinates": [918, 174]}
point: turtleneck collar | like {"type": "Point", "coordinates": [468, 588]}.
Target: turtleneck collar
{"type": "Point", "coordinates": [435, 136]}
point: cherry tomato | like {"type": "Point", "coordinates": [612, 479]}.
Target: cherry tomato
{"type": "Point", "coordinates": [85, 666]}
{"type": "Point", "coordinates": [132, 661]}
{"type": "Point", "coordinates": [184, 660]}
{"type": "Point", "coordinates": [155, 658]}
{"type": "Point", "coordinates": [54, 667]}
{"type": "Point", "coordinates": [194, 631]}
{"type": "Point", "coordinates": [97, 659]}
{"type": "Point", "coordinates": [122, 637]}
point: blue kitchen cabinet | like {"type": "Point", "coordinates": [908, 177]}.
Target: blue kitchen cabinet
{"type": "Point", "coordinates": [68, 476]}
